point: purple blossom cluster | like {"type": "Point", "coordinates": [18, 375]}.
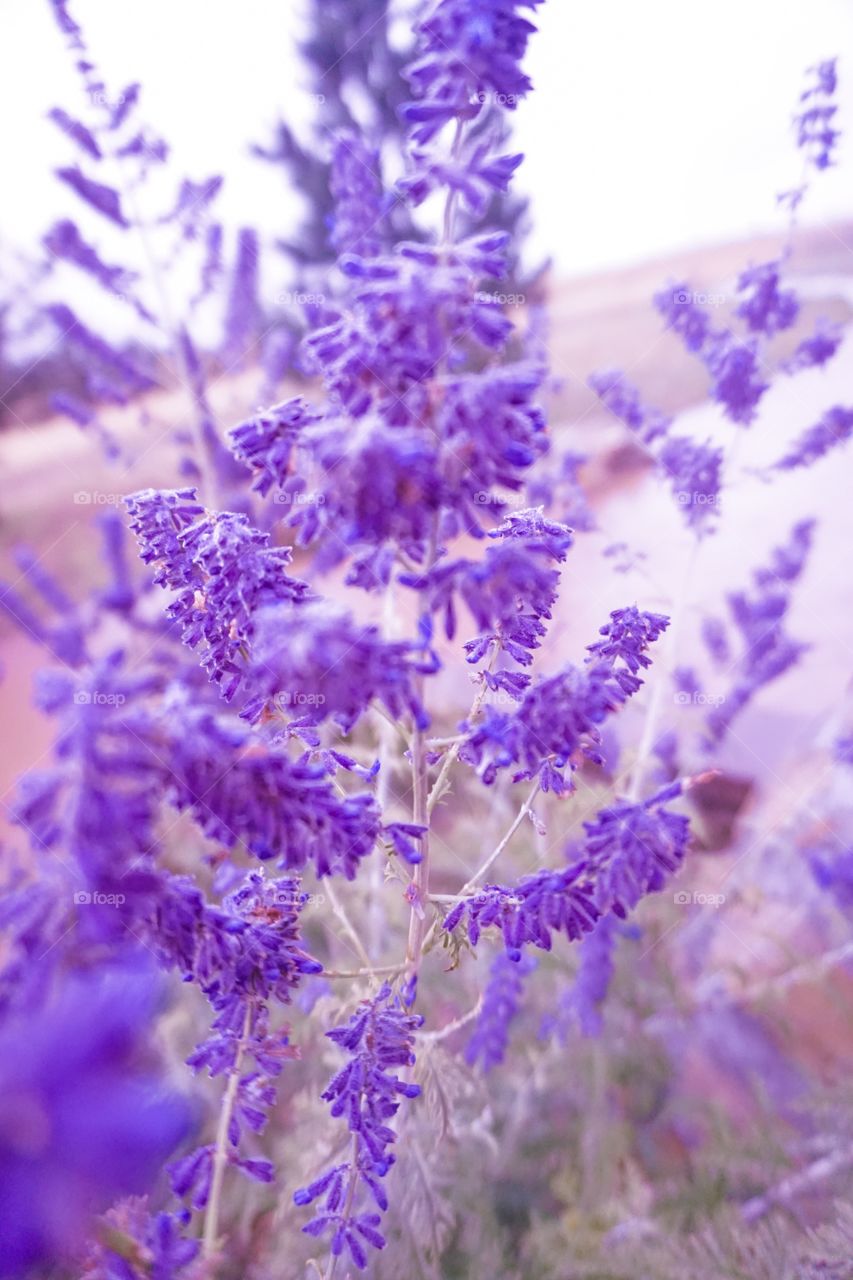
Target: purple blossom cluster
{"type": "Point", "coordinates": [378, 1041]}
{"type": "Point", "coordinates": [629, 850]}
{"type": "Point", "coordinates": [559, 717]}
{"type": "Point", "coordinates": [694, 469]}
{"type": "Point", "coordinates": [758, 615]}
{"type": "Point", "coordinates": [225, 748]}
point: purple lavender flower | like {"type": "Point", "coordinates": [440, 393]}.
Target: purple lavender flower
{"type": "Point", "coordinates": [318, 663]}
{"type": "Point", "coordinates": [759, 616]}
{"type": "Point", "coordinates": [765, 307]}
{"type": "Point", "coordinates": [816, 350]}
{"type": "Point", "coordinates": [469, 52]}
{"type": "Point", "coordinates": [378, 1040]}
{"type": "Point", "coordinates": [530, 910]}
{"type": "Point", "coordinates": [732, 362]}
{"type": "Point", "coordinates": [816, 134]}
{"type": "Point", "coordinates": [632, 849]}
{"type": "Point", "coordinates": [266, 442]}
{"type": "Point", "coordinates": [502, 999]}
{"type": "Point", "coordinates": [560, 716]}
{"type": "Point", "coordinates": [834, 428]}
{"type": "Point", "coordinates": [223, 569]}
{"type": "Point", "coordinates": [84, 1117]}
{"type": "Point", "coordinates": [356, 186]}
{"type": "Point", "coordinates": [240, 788]}
{"type": "Point", "coordinates": [629, 851]}
{"type": "Point", "coordinates": [581, 1003]}
{"type": "Point", "coordinates": [622, 398]}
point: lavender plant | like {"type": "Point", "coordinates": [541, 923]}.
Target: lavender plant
{"type": "Point", "coordinates": [257, 784]}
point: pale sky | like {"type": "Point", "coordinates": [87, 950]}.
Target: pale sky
{"type": "Point", "coordinates": [657, 124]}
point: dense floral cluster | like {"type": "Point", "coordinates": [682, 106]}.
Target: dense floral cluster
{"type": "Point", "coordinates": [559, 717]}
{"type": "Point", "coordinates": [220, 757]}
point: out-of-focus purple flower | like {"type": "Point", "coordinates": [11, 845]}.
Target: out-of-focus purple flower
{"type": "Point", "coordinates": [816, 135]}
{"type": "Point", "coordinates": [734, 367]}
{"type": "Point", "coordinates": [97, 803]}
{"type": "Point", "coordinates": [356, 185]}
{"type": "Point", "coordinates": [581, 1003]}
{"type": "Point", "coordinates": [759, 616]}
{"type": "Point", "coordinates": [622, 398]}
{"type": "Point", "coordinates": [732, 362]}
{"type": "Point", "coordinates": [833, 429]}
{"type": "Point", "coordinates": [75, 130]}
{"type": "Point", "coordinates": [380, 486]}
{"type": "Point", "coordinates": [97, 352]}
{"type": "Point", "coordinates": [134, 1244]}
{"type": "Point", "coordinates": [502, 1000]}
{"type": "Point", "coordinates": [684, 315]}
{"type": "Point", "coordinates": [833, 871]}
{"type": "Point", "coordinates": [105, 200]}
{"type": "Point", "coordinates": [84, 1115]}
{"type": "Point", "coordinates": [64, 241]}
{"type": "Point", "coordinates": [765, 307]}
{"type": "Point", "coordinates": [317, 662]}
{"type": "Point", "coordinates": [816, 350]}
{"type": "Point", "coordinates": [695, 471]}
{"type": "Point", "coordinates": [244, 308]}
{"type": "Point", "coordinates": [378, 1039]}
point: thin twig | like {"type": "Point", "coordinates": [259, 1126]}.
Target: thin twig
{"type": "Point", "coordinates": [493, 856]}
{"type": "Point", "coordinates": [340, 912]}
{"type": "Point", "coordinates": [444, 1032]}
{"type": "Point", "coordinates": [220, 1153]}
